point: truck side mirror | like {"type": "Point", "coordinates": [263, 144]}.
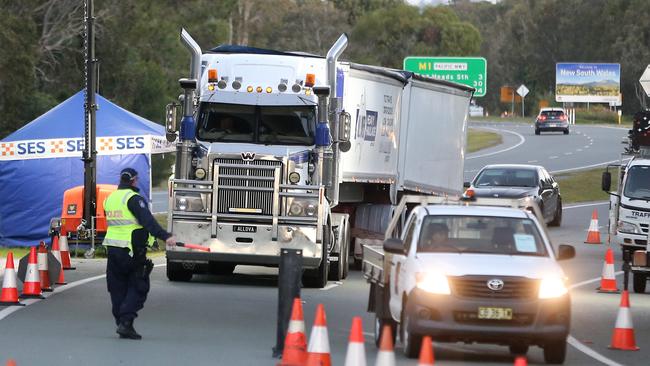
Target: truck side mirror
{"type": "Point", "coordinates": [171, 112]}
{"type": "Point", "coordinates": [344, 131]}
{"type": "Point", "coordinates": [606, 181]}
{"type": "Point", "coordinates": [565, 252]}
{"type": "Point", "coordinates": [394, 246]}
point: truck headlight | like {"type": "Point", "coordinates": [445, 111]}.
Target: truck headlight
{"type": "Point", "coordinates": [189, 203]}
{"type": "Point", "coordinates": [294, 177]}
{"type": "Point", "coordinates": [433, 282]}
{"type": "Point", "coordinates": [303, 207]}
{"type": "Point", "coordinates": [552, 287]}
{"type": "Point", "coordinates": [628, 227]}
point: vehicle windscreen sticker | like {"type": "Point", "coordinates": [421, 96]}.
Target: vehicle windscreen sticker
{"type": "Point", "coordinates": [525, 243]}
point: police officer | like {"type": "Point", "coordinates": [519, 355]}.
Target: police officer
{"type": "Point", "coordinates": [131, 229]}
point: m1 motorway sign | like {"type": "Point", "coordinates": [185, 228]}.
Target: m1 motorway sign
{"type": "Point", "coordinates": [470, 71]}
{"type": "Point", "coordinates": [645, 80]}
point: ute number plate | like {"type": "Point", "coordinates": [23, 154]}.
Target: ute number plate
{"type": "Point", "coordinates": [495, 313]}
{"type": "Point", "coordinates": [244, 229]}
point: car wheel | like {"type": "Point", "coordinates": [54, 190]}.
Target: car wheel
{"type": "Point", "coordinates": [379, 325]}
{"type": "Point", "coordinates": [557, 219]}
{"type": "Point", "coordinates": [411, 343]}
{"type": "Point", "coordinates": [566, 132]}
{"type": "Point", "coordinates": [518, 349]}
{"type": "Point", "coordinates": [221, 268]}
{"type": "Point", "coordinates": [555, 352]}
{"type": "Point", "coordinates": [537, 131]}
{"type": "Point", "coordinates": [639, 282]}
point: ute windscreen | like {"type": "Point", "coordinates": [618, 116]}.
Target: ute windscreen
{"type": "Point", "coordinates": [480, 234]}
{"type": "Point", "coordinates": [269, 125]}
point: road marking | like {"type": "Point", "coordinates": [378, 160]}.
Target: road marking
{"type": "Point", "coordinates": [586, 205]}
{"type": "Point", "coordinates": [532, 161]}
{"type": "Point", "coordinates": [578, 149]}
{"type": "Point", "coordinates": [579, 284]}
{"type": "Point", "coordinates": [587, 166]}
{"type": "Point", "coordinates": [586, 146]}
{"type": "Point", "coordinates": [568, 153]}
{"type": "Point", "coordinates": [522, 139]}
{"type": "Point", "coordinates": [552, 157]}
{"type": "Point", "coordinates": [331, 286]}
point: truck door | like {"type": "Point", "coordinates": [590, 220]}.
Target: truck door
{"type": "Point", "coordinates": [397, 269]}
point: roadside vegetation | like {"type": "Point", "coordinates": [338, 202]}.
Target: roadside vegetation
{"type": "Point", "coordinates": [479, 140]}
{"type": "Point", "coordinates": [583, 186]}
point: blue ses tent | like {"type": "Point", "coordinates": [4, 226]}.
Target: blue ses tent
{"type": "Point", "coordinates": [40, 161]}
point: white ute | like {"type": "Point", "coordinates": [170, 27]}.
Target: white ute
{"type": "Point", "coordinates": [482, 271]}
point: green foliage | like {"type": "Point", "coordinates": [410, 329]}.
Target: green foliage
{"type": "Point", "coordinates": [596, 114]}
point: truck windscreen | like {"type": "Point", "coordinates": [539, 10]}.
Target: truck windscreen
{"type": "Point", "coordinates": [268, 125]}
{"type": "Point", "coordinates": [637, 183]}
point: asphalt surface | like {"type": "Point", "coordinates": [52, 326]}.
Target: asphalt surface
{"type": "Point", "coordinates": [231, 320]}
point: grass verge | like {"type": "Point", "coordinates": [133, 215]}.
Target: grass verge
{"type": "Point", "coordinates": [583, 186]}
{"type": "Point", "coordinates": [479, 140]}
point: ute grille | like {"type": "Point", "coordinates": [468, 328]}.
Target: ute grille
{"type": "Point", "coordinates": [476, 287]}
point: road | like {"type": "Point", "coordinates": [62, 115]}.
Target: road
{"type": "Point", "coordinates": [231, 320]}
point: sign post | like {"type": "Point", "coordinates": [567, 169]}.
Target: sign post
{"type": "Point", "coordinates": [522, 91]}
{"type": "Point", "coordinates": [470, 71]}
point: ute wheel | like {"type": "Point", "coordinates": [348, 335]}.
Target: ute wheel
{"type": "Point", "coordinates": [518, 349]}
{"type": "Point", "coordinates": [566, 132]}
{"type": "Point", "coordinates": [221, 268]}
{"type": "Point", "coordinates": [537, 131]}
{"type": "Point", "coordinates": [379, 325]}
{"type": "Point", "coordinates": [176, 272]}
{"type": "Point", "coordinates": [639, 281]}
{"type": "Point", "coordinates": [557, 218]}
{"type": "Point", "coordinates": [317, 278]}
{"type": "Point", "coordinates": [555, 352]}
{"type": "Point", "coordinates": [411, 343]}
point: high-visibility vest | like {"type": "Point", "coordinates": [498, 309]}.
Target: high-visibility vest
{"type": "Point", "coordinates": [121, 222]}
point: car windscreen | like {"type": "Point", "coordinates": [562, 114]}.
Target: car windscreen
{"type": "Point", "coordinates": [269, 125]}
{"type": "Point", "coordinates": [506, 177]}
{"type": "Point", "coordinates": [552, 114]}
{"type": "Point", "coordinates": [480, 234]}
{"type": "Point", "coordinates": [637, 183]}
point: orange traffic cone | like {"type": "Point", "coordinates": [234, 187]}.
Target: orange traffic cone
{"type": "Point", "coordinates": [32, 285]}
{"type": "Point", "coordinates": [11, 362]}
{"type": "Point", "coordinates": [295, 343]}
{"type": "Point", "coordinates": [521, 361]}
{"type": "Point", "coordinates": [9, 295]}
{"type": "Point", "coordinates": [43, 268]}
{"type": "Point", "coordinates": [608, 278]}
{"type": "Point", "coordinates": [386, 354]}
{"type": "Point", "coordinates": [593, 234]}
{"type": "Point", "coordinates": [356, 355]}
{"type": "Point", "coordinates": [426, 352]}
{"type": "Point", "coordinates": [56, 252]}
{"type": "Point", "coordinates": [65, 252]}
{"type": "Point", "coordinates": [318, 351]}
{"type": "Point", "coordinates": [623, 336]}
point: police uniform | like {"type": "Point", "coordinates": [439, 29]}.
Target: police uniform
{"type": "Point", "coordinates": [131, 230]}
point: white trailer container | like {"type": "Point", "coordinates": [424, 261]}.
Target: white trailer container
{"type": "Point", "coordinates": [263, 172]}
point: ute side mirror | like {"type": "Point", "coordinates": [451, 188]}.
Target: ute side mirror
{"type": "Point", "coordinates": [606, 181]}
{"type": "Point", "coordinates": [344, 131]}
{"type": "Point", "coordinates": [565, 252]}
{"type": "Point", "coordinates": [394, 246]}
{"type": "Point", "coordinates": [171, 116]}
{"type": "Point", "coordinates": [467, 184]}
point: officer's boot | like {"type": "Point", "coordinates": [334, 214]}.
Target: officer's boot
{"type": "Point", "coordinates": [126, 330]}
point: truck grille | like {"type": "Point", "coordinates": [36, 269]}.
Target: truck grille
{"type": "Point", "coordinates": [476, 287]}
{"type": "Point", "coordinates": [644, 228]}
{"type": "Point", "coordinates": [232, 175]}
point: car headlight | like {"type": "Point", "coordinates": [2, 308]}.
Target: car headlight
{"type": "Point", "coordinates": [628, 227]}
{"type": "Point", "coordinates": [302, 207]}
{"type": "Point", "coordinates": [433, 282]}
{"type": "Point", "coordinates": [552, 287]}
{"type": "Point", "coordinates": [189, 203]}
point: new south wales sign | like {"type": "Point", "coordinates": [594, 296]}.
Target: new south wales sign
{"type": "Point", "coordinates": [470, 71]}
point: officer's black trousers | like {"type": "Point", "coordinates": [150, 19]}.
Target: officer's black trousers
{"type": "Point", "coordinates": [126, 283]}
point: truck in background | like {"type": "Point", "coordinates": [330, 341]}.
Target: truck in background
{"type": "Point", "coordinates": [291, 150]}
{"type": "Point", "coordinates": [629, 205]}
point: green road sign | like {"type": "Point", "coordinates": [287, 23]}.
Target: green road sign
{"type": "Point", "coordinates": [470, 71]}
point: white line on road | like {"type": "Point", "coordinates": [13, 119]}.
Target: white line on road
{"type": "Point", "coordinates": [331, 286]}
{"type": "Point", "coordinates": [552, 157]}
{"type": "Point", "coordinates": [590, 352]}
{"type": "Point", "coordinates": [568, 153]}
{"type": "Point", "coordinates": [532, 161]}
{"type": "Point", "coordinates": [522, 139]}
{"type": "Point", "coordinates": [579, 284]}
{"type": "Point", "coordinates": [586, 205]}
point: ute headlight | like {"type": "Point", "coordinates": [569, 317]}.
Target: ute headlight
{"type": "Point", "coordinates": [628, 227]}
{"type": "Point", "coordinates": [199, 173]}
{"type": "Point", "coordinates": [433, 282]}
{"type": "Point", "coordinates": [552, 287]}
{"type": "Point", "coordinates": [294, 177]}
{"type": "Point", "coordinates": [189, 203]}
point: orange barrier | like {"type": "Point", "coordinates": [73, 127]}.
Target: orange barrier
{"type": "Point", "coordinates": [356, 355]}
{"type": "Point", "coordinates": [593, 234]}
{"type": "Point", "coordinates": [65, 252]}
{"type": "Point", "coordinates": [608, 278]}
{"type": "Point", "coordinates": [426, 352]}
{"type": "Point", "coordinates": [43, 268]}
{"type": "Point", "coordinates": [318, 351]}
{"type": "Point", "coordinates": [56, 252]}
{"type": "Point", "coordinates": [9, 295]}
{"type": "Point", "coordinates": [623, 336]}
{"type": "Point", "coordinates": [295, 343]}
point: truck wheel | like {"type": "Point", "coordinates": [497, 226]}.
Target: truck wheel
{"type": "Point", "coordinates": [411, 343]}
{"type": "Point", "coordinates": [555, 352]}
{"type": "Point", "coordinates": [639, 280]}
{"type": "Point", "coordinates": [346, 257]}
{"type": "Point", "coordinates": [537, 131]}
{"type": "Point", "coordinates": [221, 268]}
{"type": "Point", "coordinates": [566, 132]}
{"type": "Point", "coordinates": [379, 325]}
{"type": "Point", "coordinates": [176, 272]}
{"type": "Point", "coordinates": [317, 278]}
{"type": "Point", "coordinates": [557, 219]}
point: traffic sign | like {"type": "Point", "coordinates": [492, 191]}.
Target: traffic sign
{"type": "Point", "coordinates": [522, 90]}
{"type": "Point", "coordinates": [645, 80]}
{"type": "Point", "coordinates": [470, 71]}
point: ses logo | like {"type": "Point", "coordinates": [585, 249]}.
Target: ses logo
{"type": "Point", "coordinates": [104, 144]}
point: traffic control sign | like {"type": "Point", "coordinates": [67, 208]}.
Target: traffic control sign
{"type": "Point", "coordinates": [470, 71]}
{"type": "Point", "coordinates": [523, 91]}
{"type": "Point", "coordinates": [645, 81]}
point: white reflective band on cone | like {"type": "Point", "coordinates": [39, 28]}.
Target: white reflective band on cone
{"type": "Point", "coordinates": [624, 319]}
{"type": "Point", "coordinates": [385, 358]}
{"type": "Point", "coordinates": [356, 355]}
{"type": "Point", "coordinates": [32, 273]}
{"type": "Point", "coordinates": [319, 340]}
{"type": "Point", "coordinates": [42, 261]}
{"type": "Point", "coordinates": [608, 272]}
{"type": "Point", "coordinates": [296, 326]}
{"type": "Point", "coordinates": [63, 244]}
{"type": "Point", "coordinates": [10, 279]}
